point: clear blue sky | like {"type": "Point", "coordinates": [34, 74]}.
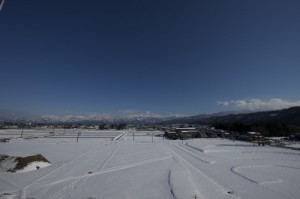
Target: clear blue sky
{"type": "Point", "coordinates": [103, 56]}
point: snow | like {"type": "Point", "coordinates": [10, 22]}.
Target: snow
{"type": "Point", "coordinates": [7, 163]}
{"type": "Point", "coordinates": [294, 145]}
{"type": "Point", "coordinates": [143, 166]}
{"type": "Point", "coordinates": [33, 166]}
{"type": "Point", "coordinates": [284, 142]}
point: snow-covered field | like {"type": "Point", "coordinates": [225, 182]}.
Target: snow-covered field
{"type": "Point", "coordinates": [146, 166]}
{"type": "Point", "coordinates": [59, 133]}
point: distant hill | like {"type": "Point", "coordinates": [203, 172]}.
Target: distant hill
{"type": "Point", "coordinates": [289, 116]}
{"type": "Point", "coordinates": [270, 123]}
{"type": "Point", "coordinates": [198, 119]}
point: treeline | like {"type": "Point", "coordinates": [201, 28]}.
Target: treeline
{"type": "Point", "coordinates": [266, 129]}
{"type": "Point", "coordinates": [112, 126]}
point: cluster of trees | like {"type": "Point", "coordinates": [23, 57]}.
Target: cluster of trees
{"type": "Point", "coordinates": [266, 129]}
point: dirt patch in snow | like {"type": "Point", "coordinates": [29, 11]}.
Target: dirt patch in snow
{"type": "Point", "coordinates": [16, 164]}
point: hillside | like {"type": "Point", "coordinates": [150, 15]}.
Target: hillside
{"type": "Point", "coordinates": [289, 116]}
{"type": "Point", "coordinates": [271, 123]}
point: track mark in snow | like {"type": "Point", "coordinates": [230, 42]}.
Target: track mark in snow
{"type": "Point", "coordinates": [73, 184]}
{"type": "Point", "coordinates": [206, 149]}
{"type": "Point", "coordinates": [23, 191]}
{"type": "Point", "coordinates": [198, 149]}
{"type": "Point", "coordinates": [210, 146]}
{"type": "Point", "coordinates": [195, 156]}
{"type": "Point", "coordinates": [62, 192]}
{"type": "Point", "coordinates": [217, 187]}
{"type": "Point", "coordinates": [65, 164]}
{"type": "Point", "coordinates": [109, 157]}
{"type": "Point", "coordinates": [170, 185]}
{"type": "Point", "coordinates": [235, 170]}
{"type": "Point", "coordinates": [247, 158]}
{"type": "Point", "coordinates": [271, 182]}
{"type": "Point", "coordinates": [118, 168]}
{"type": "Point", "coordinates": [263, 183]}
{"type": "Point", "coordinates": [185, 161]}
{"type": "Point", "coordinates": [9, 183]}
{"type": "Point", "coordinates": [288, 167]}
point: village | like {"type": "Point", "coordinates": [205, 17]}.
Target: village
{"type": "Point", "coordinates": [173, 132]}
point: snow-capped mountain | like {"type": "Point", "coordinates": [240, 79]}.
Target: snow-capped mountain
{"type": "Point", "coordinates": [132, 118]}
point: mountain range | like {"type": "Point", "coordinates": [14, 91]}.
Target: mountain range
{"type": "Point", "coordinates": [289, 116]}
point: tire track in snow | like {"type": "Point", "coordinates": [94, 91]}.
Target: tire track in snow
{"type": "Point", "coordinates": [67, 163]}
{"type": "Point", "coordinates": [23, 191]}
{"type": "Point", "coordinates": [109, 157]}
{"type": "Point", "coordinates": [195, 156]}
{"type": "Point", "coordinates": [66, 189]}
{"type": "Point", "coordinates": [9, 183]}
{"type": "Point", "coordinates": [174, 156]}
{"type": "Point", "coordinates": [218, 188]}
{"type": "Point", "coordinates": [100, 172]}
{"type": "Point", "coordinates": [75, 183]}
{"type": "Point", "coordinates": [290, 167]}
{"type": "Point", "coordinates": [170, 185]}
{"type": "Point", "coordinates": [234, 169]}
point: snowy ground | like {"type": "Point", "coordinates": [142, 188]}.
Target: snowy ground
{"type": "Point", "coordinates": [146, 166]}
{"type": "Point", "coordinates": [58, 133]}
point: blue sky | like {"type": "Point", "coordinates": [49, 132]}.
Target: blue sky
{"type": "Point", "coordinates": [166, 57]}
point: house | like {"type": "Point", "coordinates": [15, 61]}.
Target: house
{"type": "Point", "coordinates": [250, 136]}
{"type": "Point", "coordinates": [171, 135]}
{"type": "Point", "coordinates": [187, 132]}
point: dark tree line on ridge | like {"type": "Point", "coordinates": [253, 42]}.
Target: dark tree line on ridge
{"type": "Point", "coordinates": [267, 129]}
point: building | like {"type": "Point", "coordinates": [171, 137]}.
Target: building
{"type": "Point", "coordinates": [250, 136]}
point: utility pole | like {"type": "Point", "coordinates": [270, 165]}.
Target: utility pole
{"type": "Point", "coordinates": [152, 137]}
{"type": "Point", "coordinates": [22, 132]}
{"type": "Point", "coordinates": [78, 136]}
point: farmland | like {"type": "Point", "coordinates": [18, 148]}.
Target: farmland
{"type": "Point", "coordinates": [145, 165]}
